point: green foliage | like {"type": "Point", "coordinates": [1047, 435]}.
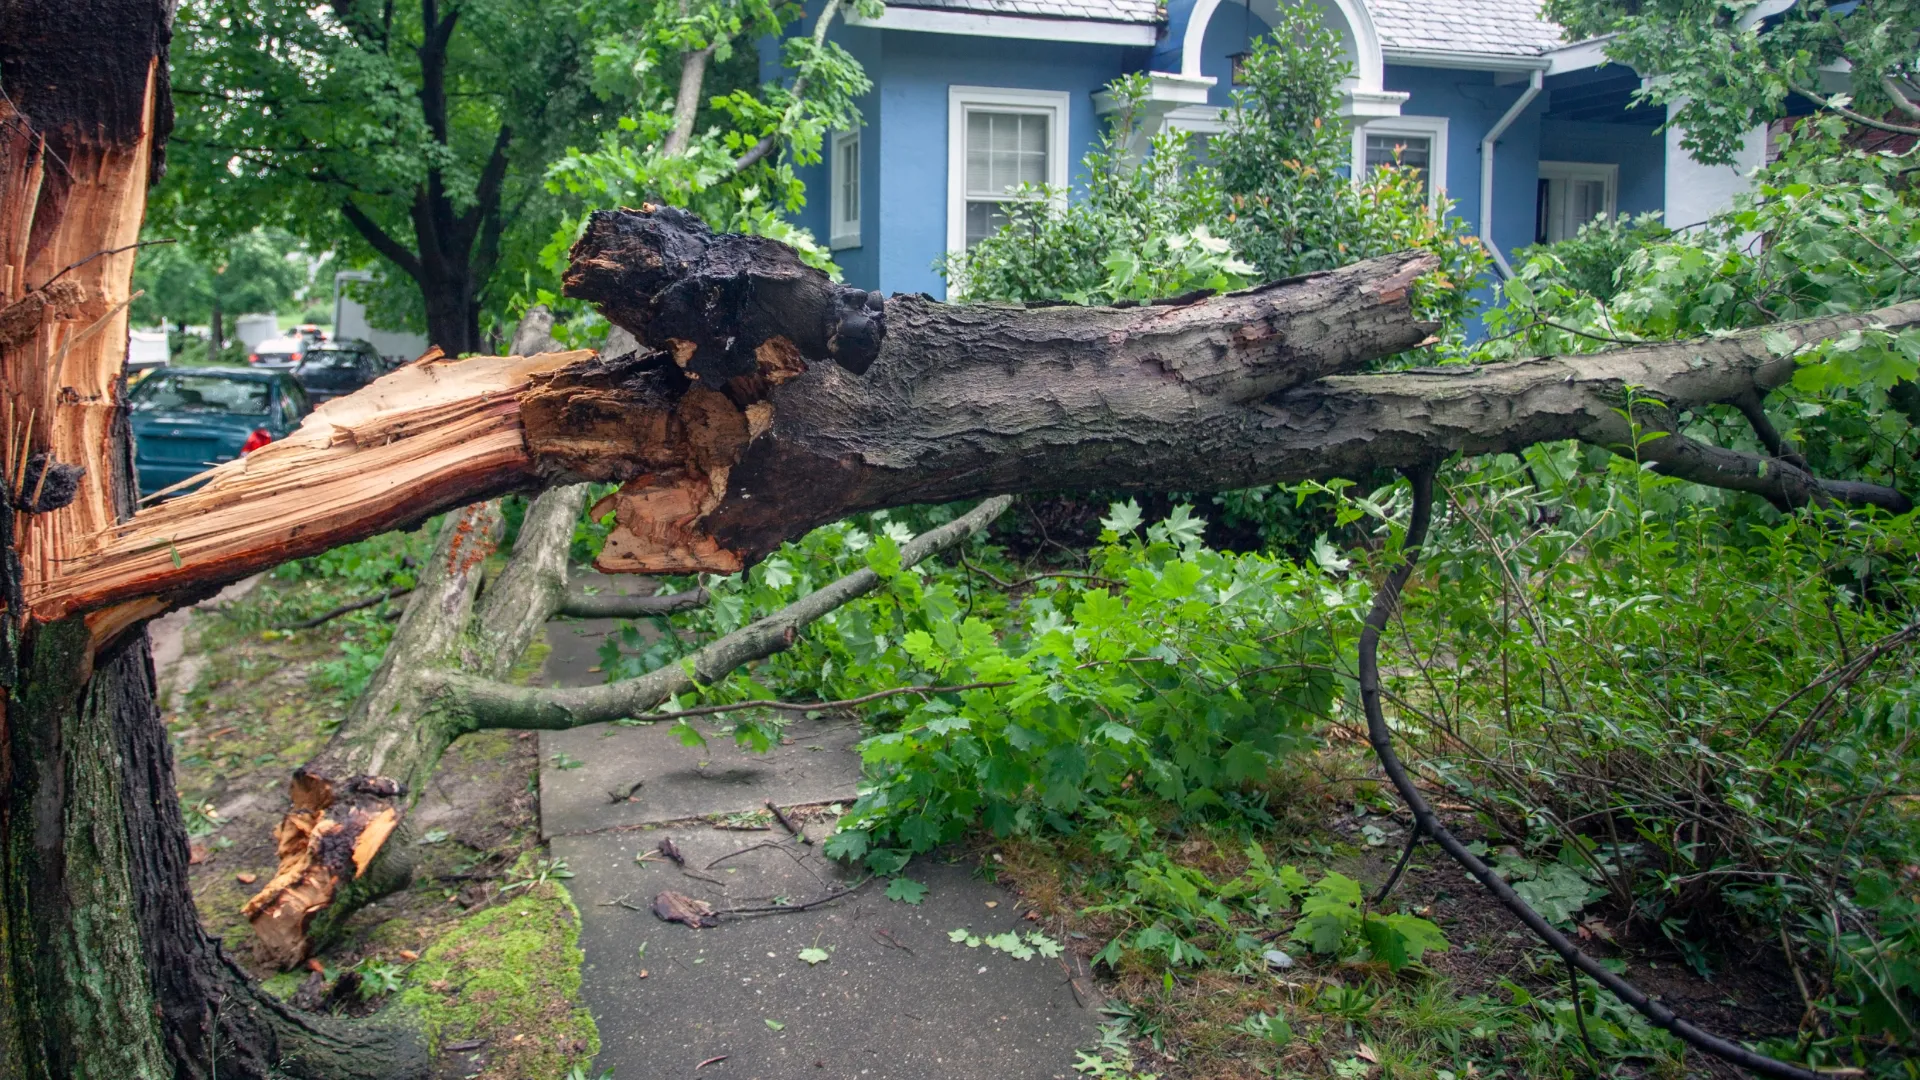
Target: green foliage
{"type": "Point", "coordinates": [632, 160]}
{"type": "Point", "coordinates": [1722, 69]}
{"type": "Point", "coordinates": [260, 270]}
{"type": "Point", "coordinates": [1277, 199]}
{"type": "Point", "coordinates": [1093, 249]}
{"type": "Point", "coordinates": [389, 108]}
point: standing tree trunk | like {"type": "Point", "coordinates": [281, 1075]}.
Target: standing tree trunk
{"type": "Point", "coordinates": [105, 971]}
{"type": "Point", "coordinates": [216, 332]}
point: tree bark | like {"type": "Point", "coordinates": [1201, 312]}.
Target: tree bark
{"type": "Point", "coordinates": [767, 400]}
{"type": "Point", "coordinates": [104, 968]}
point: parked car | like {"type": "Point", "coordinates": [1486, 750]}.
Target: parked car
{"type": "Point", "coordinates": [187, 420]}
{"type": "Point", "coordinates": [278, 352]}
{"type": "Point", "coordinates": [338, 368]}
{"type": "Point", "coordinates": [311, 333]}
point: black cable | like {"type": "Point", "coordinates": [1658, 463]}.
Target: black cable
{"type": "Point", "coordinates": [1425, 820]}
{"type": "Point", "coordinates": [1406, 856]}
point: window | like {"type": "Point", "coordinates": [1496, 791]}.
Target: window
{"type": "Point", "coordinates": [1572, 193]}
{"type": "Point", "coordinates": [1408, 142]}
{"type": "Point", "coordinates": [998, 140]}
{"type": "Point", "coordinates": [846, 191]}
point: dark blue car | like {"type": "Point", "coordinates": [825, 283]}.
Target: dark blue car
{"type": "Point", "coordinates": [187, 420]}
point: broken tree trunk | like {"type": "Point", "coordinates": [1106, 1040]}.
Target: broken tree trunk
{"type": "Point", "coordinates": [105, 970]}
{"type": "Point", "coordinates": [766, 400]}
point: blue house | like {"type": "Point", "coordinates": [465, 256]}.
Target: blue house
{"type": "Point", "coordinates": [1530, 135]}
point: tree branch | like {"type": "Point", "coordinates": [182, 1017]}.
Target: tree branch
{"type": "Point", "coordinates": [495, 705]}
{"type": "Point", "coordinates": [609, 605]}
{"type": "Point", "coordinates": [770, 140]}
{"type": "Point", "coordinates": [686, 105]}
{"type": "Point", "coordinates": [1898, 94]}
{"type": "Point", "coordinates": [486, 193]}
{"type": "Point", "coordinates": [377, 238]}
{"type": "Point", "coordinates": [1859, 118]}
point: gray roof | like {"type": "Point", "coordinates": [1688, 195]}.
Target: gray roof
{"type": "Point", "coordinates": [1489, 27]}
{"type": "Point", "coordinates": [1492, 27]}
{"type": "Point", "coordinates": [1120, 11]}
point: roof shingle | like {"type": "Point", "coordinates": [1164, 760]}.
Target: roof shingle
{"type": "Point", "coordinates": [1490, 27]}
{"type": "Point", "coordinates": [1487, 27]}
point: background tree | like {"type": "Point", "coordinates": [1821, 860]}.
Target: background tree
{"type": "Point", "coordinates": [417, 133]}
{"type": "Point", "coordinates": [262, 270]}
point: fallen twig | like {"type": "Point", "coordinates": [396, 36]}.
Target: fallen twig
{"type": "Point", "coordinates": [788, 824]}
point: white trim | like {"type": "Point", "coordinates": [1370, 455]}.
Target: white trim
{"type": "Point", "coordinates": [843, 228]}
{"type": "Point", "coordinates": [975, 24]}
{"type": "Point", "coordinates": [1467, 61]}
{"type": "Point", "coordinates": [1365, 106]}
{"type": "Point", "coordinates": [1199, 119]}
{"type": "Point", "coordinates": [1056, 103]}
{"type": "Point", "coordinates": [1578, 56]}
{"type": "Point", "coordinates": [1431, 128]}
{"type": "Point", "coordinates": [1367, 58]}
{"type": "Point", "coordinates": [1164, 89]}
{"type": "Point", "coordinates": [1604, 172]}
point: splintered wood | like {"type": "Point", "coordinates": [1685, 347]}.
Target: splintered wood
{"type": "Point", "coordinates": [435, 434]}
{"type": "Point", "coordinates": [329, 839]}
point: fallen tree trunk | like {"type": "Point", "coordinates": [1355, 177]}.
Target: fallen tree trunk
{"type": "Point", "coordinates": [729, 443]}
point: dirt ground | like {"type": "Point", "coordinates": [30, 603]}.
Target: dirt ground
{"type": "Point", "coordinates": [246, 703]}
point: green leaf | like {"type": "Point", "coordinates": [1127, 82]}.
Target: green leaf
{"type": "Point", "coordinates": [688, 734]}
{"type": "Point", "coordinates": [813, 956]}
{"type": "Point", "coordinates": [775, 1025]}
{"type": "Point", "coordinates": [906, 890]}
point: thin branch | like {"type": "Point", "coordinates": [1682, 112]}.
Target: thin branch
{"type": "Point", "coordinates": [1023, 582]}
{"type": "Point", "coordinates": [1381, 737]}
{"type": "Point", "coordinates": [1899, 96]}
{"type": "Point", "coordinates": [766, 144]}
{"type": "Point", "coordinates": [495, 705]}
{"type": "Point", "coordinates": [347, 609]}
{"type": "Point", "coordinates": [693, 73]}
{"type": "Point", "coordinates": [610, 605]}
{"type": "Point", "coordinates": [78, 263]}
{"type": "Point", "coordinates": [823, 706]}
{"type": "Point", "coordinates": [1859, 118]}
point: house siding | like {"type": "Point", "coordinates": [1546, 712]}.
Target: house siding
{"type": "Point", "coordinates": [1639, 151]}
{"type": "Point", "coordinates": [1472, 103]}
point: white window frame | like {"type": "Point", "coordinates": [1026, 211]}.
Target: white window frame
{"type": "Point", "coordinates": [960, 99]}
{"type": "Point", "coordinates": [1607, 174]}
{"type": "Point", "coordinates": [844, 229]}
{"type": "Point", "coordinates": [1431, 128]}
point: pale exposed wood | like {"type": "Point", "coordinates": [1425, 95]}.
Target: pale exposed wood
{"type": "Point", "coordinates": [435, 434]}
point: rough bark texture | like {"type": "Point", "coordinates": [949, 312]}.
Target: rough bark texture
{"type": "Point", "coordinates": [345, 840]}
{"type": "Point", "coordinates": [489, 704]}
{"type": "Point", "coordinates": [349, 801]}
{"type": "Point", "coordinates": [104, 968]}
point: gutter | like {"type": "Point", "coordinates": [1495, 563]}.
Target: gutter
{"type": "Point", "coordinates": [1486, 169]}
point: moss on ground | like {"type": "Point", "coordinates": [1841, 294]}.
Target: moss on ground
{"type": "Point", "coordinates": [509, 973]}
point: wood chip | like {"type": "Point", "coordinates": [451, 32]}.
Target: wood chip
{"type": "Point", "coordinates": [197, 854]}
{"type": "Point", "coordinates": [409, 955]}
{"type": "Point", "coordinates": [245, 878]}
{"type": "Point", "coordinates": [671, 906]}
{"type": "Point", "coordinates": [712, 1061]}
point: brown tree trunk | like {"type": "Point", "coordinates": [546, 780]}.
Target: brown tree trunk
{"type": "Point", "coordinates": [104, 968]}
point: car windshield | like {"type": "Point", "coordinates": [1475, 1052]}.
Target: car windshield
{"type": "Point", "coordinates": [201, 393]}
{"type": "Point", "coordinates": [330, 358]}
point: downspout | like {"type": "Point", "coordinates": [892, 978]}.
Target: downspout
{"type": "Point", "coordinates": [1486, 169]}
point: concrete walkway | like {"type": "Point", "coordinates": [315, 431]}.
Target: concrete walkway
{"type": "Point", "coordinates": [888, 996]}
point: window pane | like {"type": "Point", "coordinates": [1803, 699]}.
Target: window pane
{"type": "Point", "coordinates": [1404, 151]}
{"type": "Point", "coordinates": [849, 209]}
{"type": "Point", "coordinates": [983, 220]}
{"type": "Point", "coordinates": [1005, 150]}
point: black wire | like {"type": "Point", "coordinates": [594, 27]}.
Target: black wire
{"type": "Point", "coordinates": [1406, 856]}
{"type": "Point", "coordinates": [1378, 734]}
{"type": "Point", "coordinates": [1580, 1015]}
